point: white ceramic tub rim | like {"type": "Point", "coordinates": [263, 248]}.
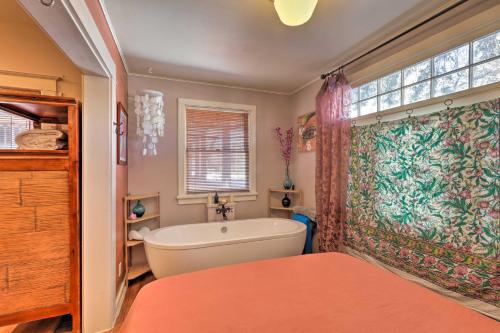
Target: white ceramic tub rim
{"type": "Point", "coordinates": [152, 242]}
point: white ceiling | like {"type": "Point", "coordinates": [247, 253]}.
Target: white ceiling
{"type": "Point", "coordinates": [242, 42]}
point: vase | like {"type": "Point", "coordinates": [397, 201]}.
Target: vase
{"type": "Point", "coordinates": [139, 209]}
{"type": "Point", "coordinates": [286, 201]}
{"type": "Point", "coordinates": [287, 184]}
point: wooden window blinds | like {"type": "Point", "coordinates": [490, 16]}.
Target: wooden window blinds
{"type": "Point", "coordinates": [10, 126]}
{"type": "Point", "coordinates": [217, 151]}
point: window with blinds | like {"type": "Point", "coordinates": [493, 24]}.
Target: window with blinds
{"type": "Point", "coordinates": [217, 151]}
{"type": "Point", "coordinates": [10, 126]}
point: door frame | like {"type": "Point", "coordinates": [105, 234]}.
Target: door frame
{"type": "Point", "coordinates": [71, 25]}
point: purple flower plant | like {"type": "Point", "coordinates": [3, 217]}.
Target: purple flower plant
{"type": "Point", "coordinates": [286, 144]}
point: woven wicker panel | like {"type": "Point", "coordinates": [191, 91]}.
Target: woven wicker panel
{"type": "Point", "coordinates": [10, 191]}
{"type": "Point", "coordinates": [16, 220]}
{"type": "Point", "coordinates": [15, 175]}
{"type": "Point", "coordinates": [34, 240]}
{"type": "Point", "coordinates": [52, 218]}
{"type": "Point", "coordinates": [42, 191]}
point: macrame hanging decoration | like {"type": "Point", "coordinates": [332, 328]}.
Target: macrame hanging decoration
{"type": "Point", "coordinates": [150, 119]}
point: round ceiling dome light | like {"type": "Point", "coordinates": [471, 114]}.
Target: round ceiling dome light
{"type": "Point", "coordinates": [295, 12]}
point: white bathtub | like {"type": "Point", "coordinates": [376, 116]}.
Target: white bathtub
{"type": "Point", "coordinates": [191, 247]}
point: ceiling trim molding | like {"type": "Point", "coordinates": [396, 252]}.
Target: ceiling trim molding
{"type": "Point", "coordinates": [219, 85]}
{"type": "Point", "coordinates": [113, 33]}
{"type": "Point", "coordinates": [389, 30]}
{"type": "Point", "coordinates": [472, 7]}
{"type": "Point", "coordinates": [304, 86]}
{"type": "Point", "coordinates": [428, 9]}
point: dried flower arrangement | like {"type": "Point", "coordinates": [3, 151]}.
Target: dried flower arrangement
{"type": "Point", "coordinates": [286, 152]}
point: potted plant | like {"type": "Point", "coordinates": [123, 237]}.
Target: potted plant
{"type": "Point", "coordinates": [286, 153]}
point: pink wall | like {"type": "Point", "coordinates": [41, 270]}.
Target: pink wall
{"type": "Point", "coordinates": [304, 164]}
{"type": "Point", "coordinates": [121, 96]}
{"type": "Point", "coordinates": [159, 173]}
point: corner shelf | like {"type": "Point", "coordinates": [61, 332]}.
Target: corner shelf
{"type": "Point", "coordinates": [283, 208]}
{"type": "Point", "coordinates": [144, 218]}
{"type": "Point", "coordinates": [132, 243]}
{"type": "Point", "coordinates": [275, 202]}
{"type": "Point", "coordinates": [152, 203]}
{"type": "Point", "coordinates": [137, 270]}
{"type": "Point", "coordinates": [142, 196]}
{"type": "Point", "coordinates": [284, 191]}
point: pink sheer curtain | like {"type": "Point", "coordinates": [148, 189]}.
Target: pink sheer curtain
{"type": "Point", "coordinates": [333, 141]}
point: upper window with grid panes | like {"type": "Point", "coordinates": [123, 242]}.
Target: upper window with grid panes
{"type": "Point", "coordinates": [467, 66]}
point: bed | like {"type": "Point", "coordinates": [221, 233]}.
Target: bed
{"type": "Point", "coordinates": [330, 292]}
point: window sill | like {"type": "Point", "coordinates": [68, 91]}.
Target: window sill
{"type": "Point", "coordinates": [192, 199]}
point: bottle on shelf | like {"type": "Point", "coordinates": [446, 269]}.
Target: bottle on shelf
{"type": "Point", "coordinates": [286, 201]}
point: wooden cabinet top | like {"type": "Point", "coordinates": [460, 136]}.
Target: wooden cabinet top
{"type": "Point", "coordinates": [36, 107]}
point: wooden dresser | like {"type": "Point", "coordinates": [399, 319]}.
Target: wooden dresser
{"type": "Point", "coordinates": [40, 218]}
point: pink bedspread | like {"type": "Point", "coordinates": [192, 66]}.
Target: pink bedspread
{"type": "Point", "coordinates": [315, 293]}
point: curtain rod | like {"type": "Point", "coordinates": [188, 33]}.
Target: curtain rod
{"type": "Point", "coordinates": [433, 17]}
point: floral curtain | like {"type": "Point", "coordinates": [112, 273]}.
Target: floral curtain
{"type": "Point", "coordinates": [424, 197]}
{"type": "Point", "coordinates": [332, 160]}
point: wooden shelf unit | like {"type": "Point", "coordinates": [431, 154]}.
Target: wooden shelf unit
{"type": "Point", "coordinates": [34, 152]}
{"type": "Point", "coordinates": [142, 196]}
{"type": "Point", "coordinates": [40, 191]}
{"type": "Point", "coordinates": [282, 208]}
{"type": "Point", "coordinates": [274, 190]}
{"type": "Point", "coordinates": [151, 201]}
{"type": "Point", "coordinates": [131, 243]}
{"type": "Point", "coordinates": [146, 217]}
{"type": "Point", "coordinates": [275, 200]}
{"type": "Point", "coordinates": [137, 270]}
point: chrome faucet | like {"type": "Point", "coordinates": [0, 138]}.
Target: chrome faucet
{"type": "Point", "coordinates": [222, 209]}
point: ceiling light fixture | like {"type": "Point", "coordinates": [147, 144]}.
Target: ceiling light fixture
{"type": "Point", "coordinates": [295, 12]}
{"type": "Point", "coordinates": [48, 3]}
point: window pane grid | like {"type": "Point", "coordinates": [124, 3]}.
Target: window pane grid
{"type": "Point", "coordinates": [486, 47]}
{"type": "Point", "coordinates": [10, 126]}
{"type": "Point", "coordinates": [463, 67]}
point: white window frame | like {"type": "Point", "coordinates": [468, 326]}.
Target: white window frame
{"type": "Point", "coordinates": [184, 198]}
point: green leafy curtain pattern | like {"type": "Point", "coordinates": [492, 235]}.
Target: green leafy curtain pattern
{"type": "Point", "coordinates": [424, 197]}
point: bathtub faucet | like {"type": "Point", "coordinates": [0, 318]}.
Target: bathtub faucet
{"type": "Point", "coordinates": [222, 209]}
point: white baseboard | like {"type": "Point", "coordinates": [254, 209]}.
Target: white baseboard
{"type": "Point", "coordinates": [119, 300]}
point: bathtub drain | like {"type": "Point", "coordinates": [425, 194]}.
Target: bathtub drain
{"type": "Point", "coordinates": [223, 230]}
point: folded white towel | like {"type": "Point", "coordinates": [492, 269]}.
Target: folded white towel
{"type": "Point", "coordinates": [144, 231]}
{"type": "Point", "coordinates": [135, 235]}
{"type": "Point", "coordinates": [45, 139]}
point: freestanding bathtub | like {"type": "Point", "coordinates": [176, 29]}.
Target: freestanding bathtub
{"type": "Point", "coordinates": [191, 247]}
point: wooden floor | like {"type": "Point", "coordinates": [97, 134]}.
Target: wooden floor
{"type": "Point", "coordinates": [132, 291]}
{"type": "Point", "coordinates": [63, 324]}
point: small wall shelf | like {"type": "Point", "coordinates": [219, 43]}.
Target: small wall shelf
{"type": "Point", "coordinates": [285, 191]}
{"type": "Point", "coordinates": [131, 243]}
{"type": "Point", "coordinates": [277, 194]}
{"type": "Point", "coordinates": [282, 208]}
{"type": "Point", "coordinates": [152, 203]}
{"type": "Point", "coordinates": [144, 218]}
{"type": "Point", "coordinates": [34, 151]}
{"type": "Point", "coordinates": [143, 196]}
{"type": "Point", "coordinates": [137, 270]}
